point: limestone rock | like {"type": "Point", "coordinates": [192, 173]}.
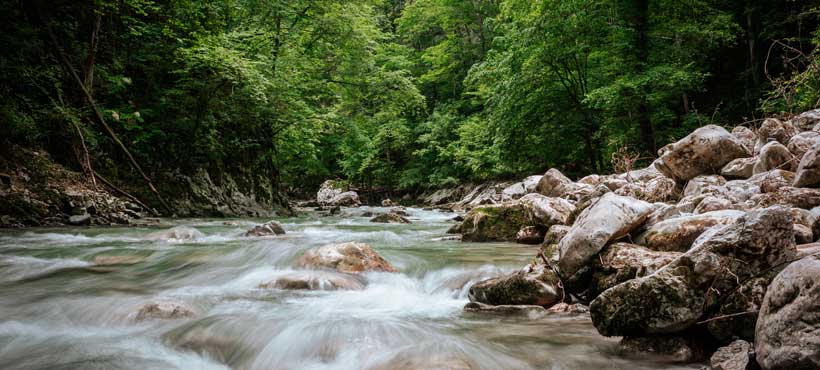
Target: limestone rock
{"type": "Point", "coordinates": [531, 311]}
{"type": "Point", "coordinates": [348, 257]}
{"type": "Point", "coordinates": [164, 311]}
{"type": "Point", "coordinates": [530, 235]}
{"type": "Point", "coordinates": [315, 280]}
{"type": "Point", "coordinates": [740, 168]}
{"type": "Point", "coordinates": [802, 143]}
{"type": "Point", "coordinates": [773, 128]}
{"type": "Point", "coordinates": [620, 262]}
{"type": "Point", "coordinates": [179, 233]}
{"type": "Point", "coordinates": [390, 218]}
{"type": "Point", "coordinates": [678, 234]}
{"type": "Point", "coordinates": [736, 356]}
{"type": "Point", "coordinates": [555, 233]}
{"type": "Point", "coordinates": [704, 151]}
{"type": "Point", "coordinates": [774, 156]}
{"type": "Point", "coordinates": [554, 184]}
{"type": "Point", "coordinates": [772, 180]}
{"type": "Point", "coordinates": [705, 184]}
{"type": "Point", "coordinates": [808, 171]}
{"type": "Point", "coordinates": [788, 328]}
{"type": "Point", "coordinates": [668, 348]}
{"type": "Point", "coordinates": [712, 203]}
{"type": "Point", "coordinates": [533, 285]}
{"type": "Point", "coordinates": [676, 296]}
{"type": "Point", "coordinates": [807, 120]}
{"type": "Point", "coordinates": [503, 221]}
{"type": "Point", "coordinates": [608, 219]}
{"type": "Point", "coordinates": [520, 189]}
{"type": "Point", "coordinates": [267, 229]}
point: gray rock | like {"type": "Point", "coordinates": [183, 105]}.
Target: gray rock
{"type": "Point", "coordinates": [267, 229]}
{"type": "Point", "coordinates": [79, 220]}
{"type": "Point", "coordinates": [808, 171]}
{"type": "Point", "coordinates": [773, 180]}
{"type": "Point", "coordinates": [390, 218]}
{"type": "Point", "coordinates": [666, 348]}
{"type": "Point", "coordinates": [704, 151]}
{"type": "Point", "coordinates": [316, 280]}
{"type": "Point", "coordinates": [164, 311]}
{"type": "Point", "coordinates": [348, 257]}
{"type": "Point", "coordinates": [802, 143]}
{"type": "Point", "coordinates": [788, 328]}
{"type": "Point", "coordinates": [530, 235]}
{"type": "Point", "coordinates": [555, 184]}
{"type": "Point", "coordinates": [676, 296]}
{"type": "Point", "coordinates": [520, 189]}
{"type": "Point", "coordinates": [621, 262]}
{"type": "Point", "coordinates": [736, 356]}
{"type": "Point", "coordinates": [608, 219]}
{"type": "Point", "coordinates": [705, 184]}
{"type": "Point", "coordinates": [773, 128]}
{"type": "Point", "coordinates": [555, 233]}
{"type": "Point", "coordinates": [740, 168]}
{"type": "Point", "coordinates": [530, 311]}
{"type": "Point", "coordinates": [503, 221]}
{"type": "Point", "coordinates": [179, 233]}
{"type": "Point", "coordinates": [712, 203]}
{"type": "Point", "coordinates": [746, 136]}
{"type": "Point", "coordinates": [535, 285]}
{"type": "Point", "coordinates": [774, 156]}
{"type": "Point", "coordinates": [678, 234]}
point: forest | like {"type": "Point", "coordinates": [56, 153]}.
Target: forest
{"type": "Point", "coordinates": [392, 94]}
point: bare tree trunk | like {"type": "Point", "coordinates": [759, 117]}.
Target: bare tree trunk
{"type": "Point", "coordinates": [88, 81]}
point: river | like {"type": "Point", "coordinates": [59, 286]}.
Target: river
{"type": "Point", "coordinates": [60, 311]}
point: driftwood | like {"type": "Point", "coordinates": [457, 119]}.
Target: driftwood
{"type": "Point", "coordinates": [67, 64]}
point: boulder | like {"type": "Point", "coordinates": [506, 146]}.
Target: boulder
{"type": "Point", "coordinates": [712, 203]}
{"type": "Point", "coordinates": [804, 198]}
{"type": "Point", "coordinates": [746, 136]}
{"type": "Point", "coordinates": [351, 257]}
{"type": "Point", "coordinates": [701, 185]}
{"type": "Point", "coordinates": [179, 233]}
{"type": "Point", "coordinates": [807, 120]}
{"type": "Point", "coordinates": [390, 218]}
{"type": "Point", "coordinates": [678, 234]}
{"type": "Point", "coordinates": [775, 129]}
{"type": "Point", "coordinates": [554, 184]}
{"type": "Point", "coordinates": [739, 191]}
{"type": "Point", "coordinates": [737, 355]}
{"type": "Point", "coordinates": [346, 199]}
{"type": "Point", "coordinates": [329, 190]}
{"type": "Point", "coordinates": [535, 285]}
{"type": "Point", "coordinates": [520, 189]}
{"type": "Point", "coordinates": [80, 220]}
{"type": "Point", "coordinates": [315, 280]}
{"type": "Point", "coordinates": [609, 218]}
{"type": "Point", "coordinates": [679, 294]}
{"type": "Point", "coordinates": [666, 348]}
{"type": "Point", "coordinates": [503, 221]}
{"type": "Point", "coordinates": [530, 235]}
{"type": "Point", "coordinates": [802, 143]}
{"type": "Point", "coordinates": [740, 168]}
{"type": "Point", "coordinates": [388, 203]}
{"type": "Point", "coordinates": [620, 262]}
{"type": "Point", "coordinates": [659, 189]}
{"type": "Point", "coordinates": [808, 171]}
{"type": "Point", "coordinates": [772, 180]}
{"type": "Point", "coordinates": [530, 311]}
{"type": "Point", "coordinates": [164, 311]}
{"type": "Point", "coordinates": [704, 151]}
{"type": "Point", "coordinates": [267, 229]}
{"type": "Point", "coordinates": [774, 156]}
{"type": "Point", "coordinates": [802, 234]}
{"type": "Point", "coordinates": [555, 233]}
{"type": "Point", "coordinates": [787, 335]}
{"type": "Point", "coordinates": [736, 317]}
{"type": "Point", "coordinates": [641, 175]}
{"type": "Point", "coordinates": [568, 308]}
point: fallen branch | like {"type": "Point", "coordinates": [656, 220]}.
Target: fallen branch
{"type": "Point", "coordinates": [726, 316]}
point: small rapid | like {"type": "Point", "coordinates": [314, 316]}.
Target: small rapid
{"type": "Point", "coordinates": [64, 304]}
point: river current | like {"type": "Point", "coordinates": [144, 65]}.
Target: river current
{"type": "Point", "coordinates": [61, 311]}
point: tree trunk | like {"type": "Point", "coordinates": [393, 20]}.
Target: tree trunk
{"type": "Point", "coordinates": [88, 70]}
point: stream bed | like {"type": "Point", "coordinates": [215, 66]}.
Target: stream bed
{"type": "Point", "coordinates": [61, 311]}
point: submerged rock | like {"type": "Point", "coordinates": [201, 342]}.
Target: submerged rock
{"type": "Point", "coordinates": [788, 328]}
{"type": "Point", "coordinates": [351, 257]}
{"type": "Point", "coordinates": [179, 233]}
{"type": "Point", "coordinates": [532, 311]}
{"type": "Point", "coordinates": [390, 218]}
{"type": "Point", "coordinates": [610, 218]}
{"type": "Point", "coordinates": [104, 260]}
{"type": "Point", "coordinates": [668, 348]}
{"type": "Point", "coordinates": [533, 285]}
{"type": "Point", "coordinates": [704, 151]}
{"type": "Point", "coordinates": [316, 280]}
{"type": "Point", "coordinates": [164, 311]}
{"type": "Point", "coordinates": [676, 296]}
{"type": "Point", "coordinates": [267, 229]}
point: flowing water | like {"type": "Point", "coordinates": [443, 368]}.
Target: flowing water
{"type": "Point", "coordinates": [60, 311]}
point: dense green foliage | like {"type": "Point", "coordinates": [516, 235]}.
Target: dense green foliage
{"type": "Point", "coordinates": [395, 93]}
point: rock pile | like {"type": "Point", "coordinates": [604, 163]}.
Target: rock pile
{"type": "Point", "coordinates": [710, 246]}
